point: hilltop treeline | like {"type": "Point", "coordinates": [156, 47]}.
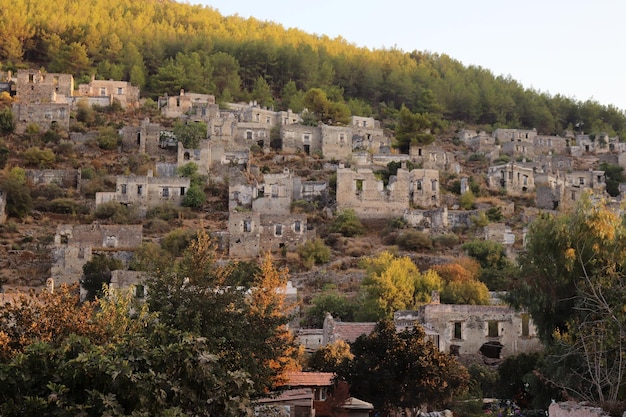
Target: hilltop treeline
{"type": "Point", "coordinates": [164, 46]}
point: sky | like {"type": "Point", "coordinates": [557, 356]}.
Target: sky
{"type": "Point", "coordinates": [574, 48]}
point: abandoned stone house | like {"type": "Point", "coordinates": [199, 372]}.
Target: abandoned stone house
{"type": "Point", "coordinates": [46, 115]}
{"type": "Point", "coordinates": [74, 246]}
{"type": "Point", "coordinates": [268, 118]}
{"type": "Point", "coordinates": [252, 233]}
{"type": "Point", "coordinates": [545, 145]}
{"type": "Point", "coordinates": [499, 232]}
{"type": "Point", "coordinates": [579, 182]}
{"type": "Point", "coordinates": [122, 91]}
{"type": "Point", "coordinates": [299, 138]}
{"type": "Point", "coordinates": [477, 142]}
{"type": "Point", "coordinates": [431, 157]}
{"type": "Point", "coordinates": [276, 193]}
{"type": "Point", "coordinates": [34, 86]}
{"type": "Point", "coordinates": [439, 219]}
{"type": "Point", "coordinates": [362, 191]}
{"type": "Point", "coordinates": [65, 178]}
{"type": "Point", "coordinates": [337, 142]}
{"type": "Point", "coordinates": [145, 192]}
{"type": "Point", "coordinates": [495, 331]}
{"type": "Point", "coordinates": [513, 177]}
{"type": "Point", "coordinates": [149, 138]}
{"type": "Point", "coordinates": [201, 106]}
{"type": "Point", "coordinates": [515, 135]}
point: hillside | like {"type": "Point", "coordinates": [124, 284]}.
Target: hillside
{"type": "Point", "coordinates": [163, 46]}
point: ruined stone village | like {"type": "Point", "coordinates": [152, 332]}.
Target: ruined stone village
{"type": "Point", "coordinates": [271, 164]}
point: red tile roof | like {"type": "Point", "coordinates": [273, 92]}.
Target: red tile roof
{"type": "Point", "coordinates": [310, 379]}
{"type": "Point", "coordinates": [349, 332]}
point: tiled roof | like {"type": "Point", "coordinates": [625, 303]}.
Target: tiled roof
{"type": "Point", "coordinates": [310, 379]}
{"type": "Point", "coordinates": [349, 332]}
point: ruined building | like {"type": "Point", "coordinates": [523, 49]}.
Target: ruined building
{"type": "Point", "coordinates": [364, 192]}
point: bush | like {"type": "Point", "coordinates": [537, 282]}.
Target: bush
{"type": "Point", "coordinates": [194, 197]}
{"type": "Point", "coordinates": [18, 200]}
{"type": "Point", "coordinates": [108, 138]}
{"type": "Point", "coordinates": [64, 206]}
{"type": "Point", "coordinates": [314, 252]}
{"type": "Point", "coordinates": [347, 223]}
{"type": "Point", "coordinates": [51, 136]}
{"type": "Point", "coordinates": [116, 213]}
{"type": "Point", "coordinates": [98, 272]}
{"type": "Point", "coordinates": [448, 240]}
{"type": "Point", "coordinates": [42, 158]}
{"type": "Point", "coordinates": [414, 240]}
{"type": "Point", "coordinates": [176, 241]}
{"type": "Point", "coordinates": [467, 200]}
{"type": "Point", "coordinates": [7, 124]}
{"type": "Point", "coordinates": [166, 212]}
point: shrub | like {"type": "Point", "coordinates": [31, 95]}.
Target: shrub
{"type": "Point", "coordinates": [157, 225]}
{"type": "Point", "coordinates": [18, 200]}
{"type": "Point", "coordinates": [176, 241]}
{"type": "Point", "coordinates": [115, 212]}
{"type": "Point", "coordinates": [347, 223]}
{"type": "Point", "coordinates": [467, 200]}
{"type": "Point", "coordinates": [108, 138]}
{"type": "Point", "coordinates": [7, 124]}
{"type": "Point", "coordinates": [64, 206]}
{"type": "Point", "coordinates": [448, 240]}
{"type": "Point", "coordinates": [51, 136]}
{"type": "Point", "coordinates": [314, 252]}
{"type": "Point", "coordinates": [166, 212]}
{"type": "Point", "coordinates": [42, 158]}
{"type": "Point", "coordinates": [414, 240]}
{"type": "Point", "coordinates": [194, 197]}
{"type": "Point", "coordinates": [98, 272]}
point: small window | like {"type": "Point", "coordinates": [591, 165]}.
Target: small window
{"type": "Point", "coordinates": [247, 225]}
{"type": "Point", "coordinates": [297, 226]}
{"type": "Point", "coordinates": [274, 190]}
{"type": "Point", "coordinates": [249, 134]}
{"type": "Point", "coordinates": [120, 91]}
{"type": "Point", "coordinates": [140, 291]}
{"type": "Point", "coordinates": [457, 330]}
{"type": "Point", "coordinates": [359, 185]}
{"type": "Point", "coordinates": [139, 189]}
{"type": "Point", "coordinates": [581, 180]}
{"type": "Point", "coordinates": [493, 329]}
{"type": "Point", "coordinates": [31, 78]}
{"type": "Point", "coordinates": [103, 91]}
{"type": "Point", "coordinates": [525, 325]}
{"type": "Point", "coordinates": [419, 185]}
{"type": "Point", "coordinates": [123, 188]}
{"type": "Point", "coordinates": [166, 192]}
{"type": "Point", "coordinates": [278, 230]}
{"type": "Point", "coordinates": [182, 191]}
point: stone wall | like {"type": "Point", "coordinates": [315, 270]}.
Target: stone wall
{"type": "Point", "coordinates": [46, 115]}
{"type": "Point", "coordinates": [298, 138]}
{"type": "Point", "coordinates": [362, 191]}
{"type": "Point", "coordinates": [146, 192]}
{"type": "Point", "coordinates": [3, 205]}
{"type": "Point", "coordinates": [572, 409]}
{"type": "Point", "coordinates": [122, 91]}
{"type": "Point", "coordinates": [64, 178]}
{"type": "Point", "coordinates": [33, 86]}
{"type": "Point", "coordinates": [471, 329]}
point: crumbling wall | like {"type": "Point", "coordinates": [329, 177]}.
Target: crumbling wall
{"type": "Point", "coordinates": [572, 409]}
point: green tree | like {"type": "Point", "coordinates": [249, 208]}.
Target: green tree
{"type": "Point", "coordinates": [7, 123]}
{"type": "Point", "coordinates": [194, 197]}
{"type": "Point", "coordinates": [393, 284]}
{"type": "Point", "coordinates": [330, 357]}
{"type": "Point", "coordinates": [573, 284]}
{"type": "Point", "coordinates": [402, 370]}
{"type": "Point", "coordinates": [190, 134]}
{"type": "Point", "coordinates": [614, 177]}
{"type": "Point", "coordinates": [262, 93]}
{"type": "Point", "coordinates": [96, 273]}
{"type": "Point", "coordinates": [18, 200]}
{"type": "Point", "coordinates": [247, 329]}
{"type": "Point", "coordinates": [412, 129]}
{"type": "Point", "coordinates": [330, 301]}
